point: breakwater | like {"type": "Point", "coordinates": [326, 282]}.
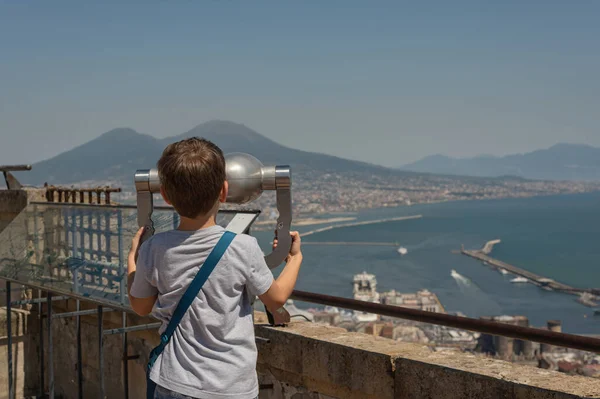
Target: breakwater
{"type": "Point", "coordinates": [541, 281]}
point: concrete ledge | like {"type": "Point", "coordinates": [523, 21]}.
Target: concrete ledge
{"type": "Point", "coordinates": [12, 202]}
{"type": "Point", "coordinates": [307, 360]}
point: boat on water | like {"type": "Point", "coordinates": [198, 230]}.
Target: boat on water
{"type": "Point", "coordinates": [519, 280]}
{"type": "Point", "coordinates": [454, 274]}
{"type": "Point", "coordinates": [503, 271]}
{"type": "Point", "coordinates": [402, 251]}
{"type": "Point", "coordinates": [588, 299]}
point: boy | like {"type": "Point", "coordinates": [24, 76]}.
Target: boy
{"type": "Point", "coordinates": [212, 353]}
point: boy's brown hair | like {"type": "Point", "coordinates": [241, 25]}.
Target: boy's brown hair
{"type": "Point", "coordinates": [192, 174]}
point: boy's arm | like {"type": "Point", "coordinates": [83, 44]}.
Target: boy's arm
{"type": "Point", "coordinates": [141, 306]}
{"type": "Point", "coordinates": [282, 288]}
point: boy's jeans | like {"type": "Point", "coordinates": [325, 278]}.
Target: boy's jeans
{"type": "Point", "coordinates": [164, 393]}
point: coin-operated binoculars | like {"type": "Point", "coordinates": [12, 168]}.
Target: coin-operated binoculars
{"type": "Point", "coordinates": [247, 178]}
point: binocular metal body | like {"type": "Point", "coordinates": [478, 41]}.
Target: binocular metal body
{"type": "Point", "coordinates": [247, 178]}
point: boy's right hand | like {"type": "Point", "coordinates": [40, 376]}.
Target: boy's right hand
{"type": "Point", "coordinates": [282, 288]}
{"type": "Point", "coordinates": [295, 248]}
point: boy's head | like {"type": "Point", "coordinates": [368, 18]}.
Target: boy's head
{"type": "Point", "coordinates": [192, 176]}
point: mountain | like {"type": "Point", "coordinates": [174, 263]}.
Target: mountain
{"type": "Point", "coordinates": [103, 158]}
{"type": "Point", "coordinates": [233, 137]}
{"type": "Point", "coordinates": [117, 154]}
{"type": "Point", "coordinates": [560, 162]}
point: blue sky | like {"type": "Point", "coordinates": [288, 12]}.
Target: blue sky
{"type": "Point", "coordinates": [380, 81]}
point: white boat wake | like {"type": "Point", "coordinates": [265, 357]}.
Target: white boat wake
{"type": "Point", "coordinates": [460, 279]}
{"type": "Point", "coordinates": [470, 290]}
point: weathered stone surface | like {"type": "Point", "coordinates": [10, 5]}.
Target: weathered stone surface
{"type": "Point", "coordinates": [12, 202]}
{"type": "Point", "coordinates": [352, 365]}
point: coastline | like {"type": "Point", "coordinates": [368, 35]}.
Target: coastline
{"type": "Point", "coordinates": [362, 211]}
{"type": "Point", "coordinates": [310, 221]}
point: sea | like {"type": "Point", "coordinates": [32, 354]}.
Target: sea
{"type": "Point", "coordinates": [554, 236]}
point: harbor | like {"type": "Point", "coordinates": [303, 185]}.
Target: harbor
{"type": "Point", "coordinates": [587, 296]}
{"type": "Point", "coordinates": [365, 289]}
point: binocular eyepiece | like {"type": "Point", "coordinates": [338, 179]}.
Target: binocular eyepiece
{"type": "Point", "coordinates": [247, 178]}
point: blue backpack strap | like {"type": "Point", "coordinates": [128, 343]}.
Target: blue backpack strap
{"type": "Point", "coordinates": [184, 303]}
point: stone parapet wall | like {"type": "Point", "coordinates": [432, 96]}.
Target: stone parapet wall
{"type": "Point", "coordinates": [307, 360]}
{"type": "Point", "coordinates": [303, 360]}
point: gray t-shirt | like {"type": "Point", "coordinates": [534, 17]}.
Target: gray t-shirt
{"type": "Point", "coordinates": [213, 352]}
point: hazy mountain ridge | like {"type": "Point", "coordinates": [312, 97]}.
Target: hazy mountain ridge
{"type": "Point", "coordinates": [117, 154]}
{"type": "Point", "coordinates": [559, 162]}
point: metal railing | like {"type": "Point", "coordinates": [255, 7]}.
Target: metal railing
{"type": "Point", "coordinates": [11, 181]}
{"type": "Point", "coordinates": [482, 326]}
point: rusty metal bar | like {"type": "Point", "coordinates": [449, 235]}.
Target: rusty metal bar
{"type": "Point", "coordinates": [79, 313]}
{"type": "Point", "coordinates": [101, 351]}
{"type": "Point", "coordinates": [39, 300]}
{"type": "Point", "coordinates": [50, 347]}
{"type": "Point", "coordinates": [84, 190]}
{"type": "Point", "coordinates": [11, 390]}
{"type": "Point", "coordinates": [581, 342]}
{"type": "Point", "coordinates": [41, 346]}
{"type": "Point", "coordinates": [77, 195]}
{"type": "Point", "coordinates": [11, 181]}
{"type": "Point", "coordinates": [156, 208]}
{"type": "Point", "coordinates": [482, 326]}
{"type": "Point", "coordinates": [79, 355]}
{"type": "Point", "coordinates": [14, 168]}
{"type": "Point", "coordinates": [123, 330]}
{"type": "Point", "coordinates": [125, 357]}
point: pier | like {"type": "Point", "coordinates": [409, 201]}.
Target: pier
{"type": "Point", "coordinates": [489, 246]}
{"type": "Point", "coordinates": [540, 281]}
{"type": "Point", "coordinates": [353, 224]}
